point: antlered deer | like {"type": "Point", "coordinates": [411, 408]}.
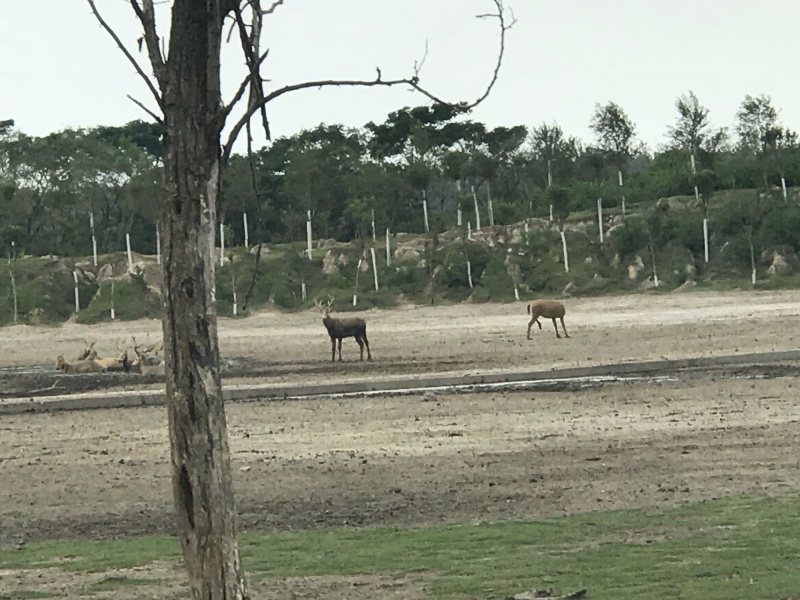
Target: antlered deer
{"type": "Point", "coordinates": [338, 329]}
{"type": "Point", "coordinates": [89, 354]}
{"type": "Point", "coordinates": [549, 309]}
{"type": "Point", "coordinates": [81, 366]}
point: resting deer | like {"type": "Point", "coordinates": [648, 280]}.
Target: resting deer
{"type": "Point", "coordinates": [108, 364]}
{"type": "Point", "coordinates": [549, 309]}
{"type": "Point", "coordinates": [146, 362]}
{"type": "Point", "coordinates": [89, 353]}
{"type": "Point", "coordinates": [338, 329]}
{"type": "Point", "coordinates": [81, 366]}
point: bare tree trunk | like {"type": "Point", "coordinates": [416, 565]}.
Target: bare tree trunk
{"type": "Point", "coordinates": [201, 469]}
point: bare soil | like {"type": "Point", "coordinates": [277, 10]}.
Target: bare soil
{"type": "Point", "coordinates": [408, 461]}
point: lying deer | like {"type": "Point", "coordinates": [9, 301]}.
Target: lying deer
{"type": "Point", "coordinates": [81, 366]}
{"type": "Point", "coordinates": [338, 329]}
{"type": "Point", "coordinates": [89, 354]}
{"type": "Point", "coordinates": [146, 361]}
{"type": "Point", "coordinates": [549, 309]}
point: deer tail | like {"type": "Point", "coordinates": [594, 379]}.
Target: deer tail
{"type": "Point", "coordinates": [529, 308]}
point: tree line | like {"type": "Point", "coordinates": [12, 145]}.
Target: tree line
{"type": "Point", "coordinates": [347, 177]}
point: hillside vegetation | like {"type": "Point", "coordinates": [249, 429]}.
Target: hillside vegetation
{"type": "Point", "coordinates": [432, 268]}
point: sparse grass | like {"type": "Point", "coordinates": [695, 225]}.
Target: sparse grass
{"type": "Point", "coordinates": [729, 549]}
{"type": "Point", "coordinates": [115, 582]}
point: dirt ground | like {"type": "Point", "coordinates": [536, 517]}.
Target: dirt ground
{"type": "Point", "coordinates": [406, 461]}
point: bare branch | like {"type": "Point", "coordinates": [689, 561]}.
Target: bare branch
{"type": "Point", "coordinates": [147, 17]}
{"type": "Point", "coordinates": [500, 15]}
{"type": "Point", "coordinates": [147, 110]}
{"type": "Point", "coordinates": [412, 82]}
{"type": "Point", "coordinates": [125, 51]}
{"type": "Point", "coordinates": [418, 65]}
{"type": "Point", "coordinates": [242, 87]}
{"type": "Point", "coordinates": [250, 47]}
{"type": "Point", "coordinates": [272, 7]}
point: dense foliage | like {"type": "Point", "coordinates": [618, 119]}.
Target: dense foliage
{"type": "Point", "coordinates": [49, 185]}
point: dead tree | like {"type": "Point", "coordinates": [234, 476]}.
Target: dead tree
{"type": "Point", "coordinates": [186, 91]}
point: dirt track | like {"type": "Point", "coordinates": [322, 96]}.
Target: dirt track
{"type": "Point", "coordinates": [407, 461]}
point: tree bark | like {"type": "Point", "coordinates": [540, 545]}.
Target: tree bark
{"type": "Point", "coordinates": [201, 469]}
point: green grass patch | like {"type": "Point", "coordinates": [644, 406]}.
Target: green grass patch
{"type": "Point", "coordinates": [28, 594]}
{"type": "Point", "coordinates": [726, 549]}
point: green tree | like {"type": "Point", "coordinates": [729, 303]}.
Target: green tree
{"type": "Point", "coordinates": [616, 133]}
{"type": "Point", "coordinates": [692, 125]}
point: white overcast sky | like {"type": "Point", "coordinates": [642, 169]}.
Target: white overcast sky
{"type": "Point", "coordinates": [59, 69]}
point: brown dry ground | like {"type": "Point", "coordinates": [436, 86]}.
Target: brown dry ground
{"type": "Point", "coordinates": [403, 461]}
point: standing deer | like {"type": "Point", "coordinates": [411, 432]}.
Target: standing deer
{"type": "Point", "coordinates": [549, 309]}
{"type": "Point", "coordinates": [338, 329]}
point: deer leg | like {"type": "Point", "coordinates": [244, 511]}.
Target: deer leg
{"type": "Point", "coordinates": [333, 349]}
{"type": "Point", "coordinates": [556, 326]}
{"type": "Point", "coordinates": [564, 327]}
{"type": "Point", "coordinates": [340, 349]}
{"type": "Point", "coordinates": [360, 346]}
{"type": "Point", "coordinates": [529, 327]}
{"type": "Point", "coordinates": [366, 343]}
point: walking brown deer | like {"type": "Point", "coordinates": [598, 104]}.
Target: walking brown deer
{"type": "Point", "coordinates": [549, 309]}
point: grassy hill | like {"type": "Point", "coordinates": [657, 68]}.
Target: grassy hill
{"type": "Point", "coordinates": [498, 264]}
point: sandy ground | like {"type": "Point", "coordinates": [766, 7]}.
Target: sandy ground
{"type": "Point", "coordinates": [410, 462]}
{"type": "Point", "coordinates": [466, 338]}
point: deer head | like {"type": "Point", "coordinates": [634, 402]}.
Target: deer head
{"type": "Point", "coordinates": [89, 353]}
{"type": "Point", "coordinates": [325, 309]}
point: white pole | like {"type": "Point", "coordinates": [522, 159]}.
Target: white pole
{"type": "Point", "coordinates": [130, 256]}
{"type": "Point", "coordinates": [753, 277]}
{"type": "Point", "coordinates": [355, 292]}
{"type": "Point", "coordinates": [425, 210]}
{"type": "Point", "coordinates": [623, 207]}
{"type": "Point", "coordinates": [221, 244]}
{"type": "Point", "coordinates": [374, 267]}
{"type": "Point", "coordinates": [469, 273]}
{"type": "Point", "coordinates": [477, 210]}
{"type": "Point", "coordinates": [516, 293]}
{"type": "Point", "coordinates": [113, 314]}
{"type": "Point", "coordinates": [696, 194]}
{"type": "Point", "coordinates": [549, 183]}
{"type": "Point", "coordinates": [469, 230]}
{"type": "Point", "coordinates": [459, 219]}
{"type": "Point", "coordinates": [600, 218]}
{"type": "Point", "coordinates": [308, 234]}
{"type": "Point", "coordinates": [566, 255]}
{"type": "Point", "coordinates": [694, 169]}
{"type": "Point", "coordinates": [491, 208]}
{"type": "Point", "coordinates": [388, 249]}
{"type": "Point", "coordinates": [303, 290]}
{"type": "Point", "coordinates": [373, 225]}
{"type": "Point", "coordinates": [94, 239]}
{"type": "Point", "coordinates": [705, 239]}
{"type": "Point", "coordinates": [619, 175]}
{"type": "Point", "coordinates": [77, 297]}
{"type": "Point", "coordinates": [246, 231]}
{"type": "Point", "coordinates": [233, 289]}
{"type": "Point", "coordinates": [158, 244]}
{"type": "Point", "coordinates": [783, 186]}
